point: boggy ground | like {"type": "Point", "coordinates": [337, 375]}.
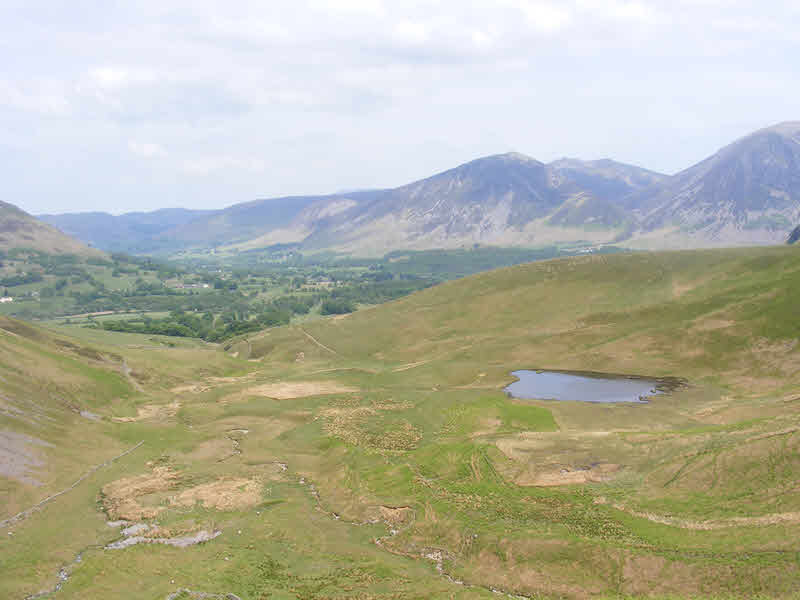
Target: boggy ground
{"type": "Point", "coordinates": [375, 456]}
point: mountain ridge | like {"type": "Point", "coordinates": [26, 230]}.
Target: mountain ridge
{"type": "Point", "coordinates": [746, 193]}
{"type": "Point", "coordinates": [749, 189]}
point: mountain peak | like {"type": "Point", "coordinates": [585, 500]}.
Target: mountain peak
{"type": "Point", "coordinates": [515, 156]}
{"type": "Point", "coordinates": [505, 158]}
{"type": "Point", "coordinates": [789, 128]}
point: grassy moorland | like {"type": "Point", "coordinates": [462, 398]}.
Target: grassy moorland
{"type": "Point", "coordinates": [374, 455]}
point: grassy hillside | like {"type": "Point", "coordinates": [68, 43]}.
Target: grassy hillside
{"type": "Point", "coordinates": [720, 316]}
{"type": "Point", "coordinates": [58, 398]}
{"type": "Point", "coordinates": [375, 455]}
{"type": "Point", "coordinates": [18, 229]}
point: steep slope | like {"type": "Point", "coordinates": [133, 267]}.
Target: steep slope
{"type": "Point", "coordinates": [52, 390]}
{"type": "Point", "coordinates": [605, 179]}
{"type": "Point", "coordinates": [475, 202]}
{"type": "Point", "coordinates": [249, 220]}
{"type": "Point", "coordinates": [130, 232]}
{"type": "Point", "coordinates": [504, 199]}
{"type": "Point", "coordinates": [18, 229]}
{"type": "Point", "coordinates": [747, 193]}
{"type": "Point", "coordinates": [574, 303]}
{"type": "Point", "coordinates": [594, 191]}
{"type": "Point", "coordinates": [68, 426]}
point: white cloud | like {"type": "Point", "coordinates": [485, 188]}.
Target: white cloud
{"type": "Point", "coordinates": [411, 32]}
{"type": "Point", "coordinates": [333, 94]}
{"type": "Point", "coordinates": [363, 7]}
{"type": "Point", "coordinates": [206, 165]}
{"type": "Point", "coordinates": [115, 77]}
{"type": "Point", "coordinates": [633, 11]}
{"type": "Point", "coordinates": [482, 39]}
{"type": "Point", "coordinates": [623, 10]}
{"type": "Point", "coordinates": [45, 99]}
{"type": "Point", "coordinates": [545, 16]}
{"type": "Point", "coordinates": [146, 149]}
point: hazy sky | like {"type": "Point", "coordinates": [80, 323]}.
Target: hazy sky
{"type": "Point", "coordinates": [121, 105]}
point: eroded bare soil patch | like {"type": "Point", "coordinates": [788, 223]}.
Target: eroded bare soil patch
{"type": "Point", "coordinates": [151, 412]}
{"type": "Point", "coordinates": [121, 498]}
{"type": "Point", "coordinates": [563, 475]}
{"type": "Point", "coordinates": [224, 494]}
{"type": "Point", "coordinates": [299, 389]}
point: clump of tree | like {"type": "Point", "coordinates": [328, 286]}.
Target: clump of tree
{"type": "Point", "coordinates": [21, 279]}
{"type": "Point", "coordinates": [337, 306]}
{"type": "Point", "coordinates": [237, 319]}
{"type": "Point", "coordinates": [794, 237]}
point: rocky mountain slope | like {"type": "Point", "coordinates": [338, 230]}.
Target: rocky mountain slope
{"type": "Point", "coordinates": [18, 229]}
{"type": "Point", "coordinates": [747, 193]}
{"type": "Point", "coordinates": [506, 199]}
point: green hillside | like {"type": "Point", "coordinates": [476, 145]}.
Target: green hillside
{"type": "Point", "coordinates": [374, 455]}
{"type": "Point", "coordinates": [18, 229]}
{"type": "Point", "coordinates": [714, 316]}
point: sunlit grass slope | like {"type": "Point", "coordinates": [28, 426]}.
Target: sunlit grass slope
{"type": "Point", "coordinates": [686, 466]}
{"type": "Point", "coordinates": [376, 456]}
{"type": "Point", "coordinates": [727, 317]}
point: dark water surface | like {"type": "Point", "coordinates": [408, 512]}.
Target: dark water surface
{"type": "Point", "coordinates": [553, 385]}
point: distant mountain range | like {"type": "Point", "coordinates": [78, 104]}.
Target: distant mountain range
{"type": "Point", "coordinates": [747, 193]}
{"type": "Point", "coordinates": [131, 232]}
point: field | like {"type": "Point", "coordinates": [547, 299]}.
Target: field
{"type": "Point", "coordinates": [375, 455]}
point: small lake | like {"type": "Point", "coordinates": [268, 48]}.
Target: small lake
{"type": "Point", "coordinates": [583, 387]}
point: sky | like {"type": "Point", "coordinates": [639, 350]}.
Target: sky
{"type": "Point", "coordinates": [123, 105]}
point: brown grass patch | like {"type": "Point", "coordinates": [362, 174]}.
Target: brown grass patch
{"type": "Point", "coordinates": [299, 389]}
{"type": "Point", "coordinates": [408, 366]}
{"type": "Point", "coordinates": [351, 423]}
{"type": "Point", "coordinates": [227, 380]}
{"type": "Point", "coordinates": [713, 324]}
{"type": "Point", "coordinates": [506, 568]}
{"type": "Point", "coordinates": [568, 476]}
{"type": "Point", "coordinates": [263, 428]}
{"type": "Point", "coordinates": [121, 498]}
{"type": "Point", "coordinates": [774, 355]}
{"type": "Point", "coordinates": [648, 575]}
{"type": "Point", "coordinates": [761, 521]}
{"type": "Point", "coordinates": [195, 388]}
{"type": "Point", "coordinates": [216, 450]}
{"type": "Point", "coordinates": [491, 425]}
{"type": "Point", "coordinates": [223, 494]}
{"type": "Point", "coordinates": [402, 515]}
{"type": "Point", "coordinates": [150, 412]}
{"type": "Point", "coordinates": [564, 444]}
